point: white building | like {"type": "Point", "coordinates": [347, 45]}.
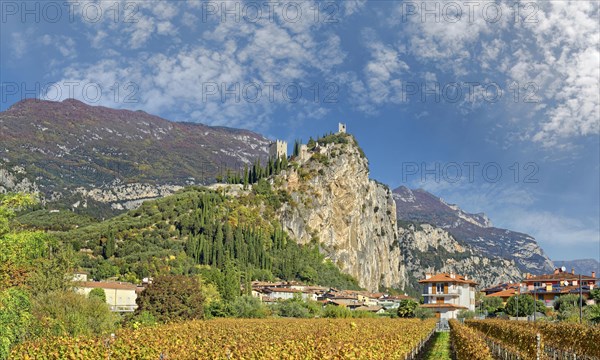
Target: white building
{"type": "Point", "coordinates": [120, 296]}
{"type": "Point", "coordinates": [447, 294]}
{"type": "Point", "coordinates": [287, 293]}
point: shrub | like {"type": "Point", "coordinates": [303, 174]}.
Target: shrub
{"type": "Point", "coordinates": [407, 307]}
{"type": "Point", "coordinates": [332, 311]}
{"type": "Point", "coordinates": [466, 314]}
{"type": "Point", "coordinates": [61, 313]}
{"type": "Point", "coordinates": [423, 313]}
{"type": "Point", "coordinates": [97, 293]}
{"type": "Point", "coordinates": [173, 297]}
{"type": "Point", "coordinates": [525, 305]}
{"type": "Point", "coordinates": [15, 318]}
{"type": "Point", "coordinates": [248, 307]}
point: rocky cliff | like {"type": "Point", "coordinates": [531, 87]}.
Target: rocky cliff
{"type": "Point", "coordinates": [428, 249]}
{"type": "Point", "coordinates": [490, 254]}
{"type": "Point", "coordinates": [352, 217]}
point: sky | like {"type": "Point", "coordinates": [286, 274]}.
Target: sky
{"type": "Point", "coordinates": [491, 105]}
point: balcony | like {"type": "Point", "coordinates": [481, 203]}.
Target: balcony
{"type": "Point", "coordinates": [442, 295]}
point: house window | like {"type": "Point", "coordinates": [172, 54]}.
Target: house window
{"type": "Point", "coordinates": [439, 288]}
{"type": "Point", "coordinates": [537, 284]}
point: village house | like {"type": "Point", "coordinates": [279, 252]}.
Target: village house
{"type": "Point", "coordinates": [447, 294]}
{"type": "Point", "coordinates": [549, 287]}
{"type": "Point", "coordinates": [504, 294]}
{"type": "Point", "coordinates": [120, 296]}
{"type": "Point", "coordinates": [270, 292]}
{"type": "Point", "coordinates": [499, 287]}
{"type": "Point", "coordinates": [372, 309]}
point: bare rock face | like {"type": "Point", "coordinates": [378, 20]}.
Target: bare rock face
{"type": "Point", "coordinates": [474, 231]}
{"type": "Point", "coordinates": [351, 216]}
{"type": "Point", "coordinates": [429, 249]}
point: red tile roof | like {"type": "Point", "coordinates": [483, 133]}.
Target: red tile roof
{"type": "Point", "coordinates": [444, 306]}
{"type": "Point", "coordinates": [559, 277]}
{"type": "Point", "coordinates": [107, 285]}
{"type": "Point", "coordinates": [504, 293]}
{"type": "Point", "coordinates": [444, 277]}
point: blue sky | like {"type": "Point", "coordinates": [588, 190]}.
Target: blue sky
{"type": "Point", "coordinates": [428, 89]}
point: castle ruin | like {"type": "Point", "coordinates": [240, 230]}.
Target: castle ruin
{"type": "Point", "coordinates": [278, 149]}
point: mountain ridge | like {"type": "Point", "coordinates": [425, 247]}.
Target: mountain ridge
{"type": "Point", "coordinates": [474, 231]}
{"type": "Point", "coordinates": [76, 154]}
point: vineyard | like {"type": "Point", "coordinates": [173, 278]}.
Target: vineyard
{"type": "Point", "coordinates": [468, 343]}
{"type": "Point", "coordinates": [246, 339]}
{"type": "Point", "coordinates": [525, 340]}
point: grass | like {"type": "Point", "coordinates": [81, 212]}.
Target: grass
{"type": "Point", "coordinates": [440, 347]}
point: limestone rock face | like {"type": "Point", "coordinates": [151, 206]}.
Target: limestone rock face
{"type": "Point", "coordinates": [429, 249]}
{"type": "Point", "coordinates": [474, 231]}
{"type": "Point", "coordinates": [351, 216]}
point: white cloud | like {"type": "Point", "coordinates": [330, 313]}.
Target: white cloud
{"type": "Point", "coordinates": [263, 56]}
{"type": "Point", "coordinates": [19, 45]}
{"type": "Point", "coordinates": [553, 229]}
{"type": "Point", "coordinates": [552, 56]}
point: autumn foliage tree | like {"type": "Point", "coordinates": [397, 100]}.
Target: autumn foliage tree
{"type": "Point", "coordinates": [173, 298]}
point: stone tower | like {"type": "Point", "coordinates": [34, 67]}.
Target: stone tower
{"type": "Point", "coordinates": [278, 149]}
{"type": "Point", "coordinates": [341, 128]}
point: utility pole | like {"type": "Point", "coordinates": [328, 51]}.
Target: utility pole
{"type": "Point", "coordinates": [580, 301]}
{"type": "Point", "coordinates": [534, 302]}
{"type": "Point", "coordinates": [518, 292]}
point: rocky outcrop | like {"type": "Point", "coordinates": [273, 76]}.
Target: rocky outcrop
{"type": "Point", "coordinates": [352, 217]}
{"type": "Point", "coordinates": [428, 249]}
{"type": "Point", "coordinates": [127, 196]}
{"type": "Point", "coordinates": [472, 230]}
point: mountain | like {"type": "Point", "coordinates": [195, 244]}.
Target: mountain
{"type": "Point", "coordinates": [82, 156]}
{"type": "Point", "coordinates": [492, 254]}
{"type": "Point", "coordinates": [334, 203]}
{"type": "Point", "coordinates": [314, 218]}
{"type": "Point", "coordinates": [581, 266]}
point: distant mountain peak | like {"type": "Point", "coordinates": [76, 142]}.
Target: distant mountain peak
{"type": "Point", "coordinates": [67, 146]}
{"type": "Point", "coordinates": [474, 230]}
{"type": "Point", "coordinates": [425, 202]}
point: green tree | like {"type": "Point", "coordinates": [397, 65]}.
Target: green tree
{"type": "Point", "coordinates": [97, 293]}
{"type": "Point", "coordinates": [248, 307]}
{"type": "Point", "coordinates": [15, 318]}
{"type": "Point", "coordinates": [60, 313]}
{"type": "Point", "coordinates": [406, 308]}
{"type": "Point", "coordinates": [592, 313]}
{"type": "Point", "coordinates": [297, 148]}
{"type": "Point", "coordinates": [173, 297]}
{"type": "Point", "coordinates": [9, 205]}
{"type": "Point", "coordinates": [465, 314]}
{"type": "Point", "coordinates": [231, 282]}
{"type": "Point", "coordinates": [492, 304]}
{"type": "Point", "coordinates": [109, 247]}
{"type": "Point", "coordinates": [595, 295]}
{"type": "Point", "coordinates": [525, 305]}
{"type": "Point", "coordinates": [332, 311]}
{"type": "Point", "coordinates": [293, 308]}
{"type": "Point", "coordinates": [567, 307]}
{"type": "Point", "coordinates": [423, 313]}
